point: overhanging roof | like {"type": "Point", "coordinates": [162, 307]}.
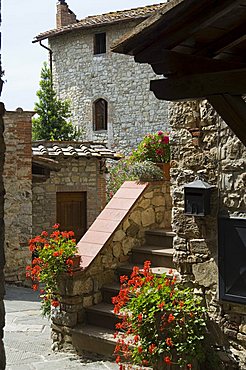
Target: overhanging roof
{"type": "Point", "coordinates": [200, 47]}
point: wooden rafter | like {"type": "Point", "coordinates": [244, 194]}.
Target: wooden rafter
{"type": "Point", "coordinates": [232, 110]}
{"type": "Point", "coordinates": [168, 62]}
{"type": "Point", "coordinates": [231, 37]}
{"type": "Point", "coordinates": [200, 85]}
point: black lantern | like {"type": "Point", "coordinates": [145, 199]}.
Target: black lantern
{"type": "Point", "coordinates": [197, 198]}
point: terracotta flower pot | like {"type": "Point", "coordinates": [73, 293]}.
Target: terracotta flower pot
{"type": "Point", "coordinates": [76, 262]}
{"type": "Point", "coordinates": [165, 167]}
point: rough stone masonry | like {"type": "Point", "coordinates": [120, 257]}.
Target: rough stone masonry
{"type": "Point", "coordinates": [82, 77]}
{"type": "Point", "coordinates": [2, 259]}
{"type": "Point", "coordinates": [205, 147]}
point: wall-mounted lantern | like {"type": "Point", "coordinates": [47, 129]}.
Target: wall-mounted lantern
{"type": "Point", "coordinates": [197, 198]}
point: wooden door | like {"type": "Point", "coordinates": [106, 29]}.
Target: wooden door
{"type": "Point", "coordinates": [71, 212]}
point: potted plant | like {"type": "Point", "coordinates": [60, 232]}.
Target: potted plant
{"type": "Point", "coordinates": [53, 254]}
{"type": "Point", "coordinates": [146, 171]}
{"type": "Point", "coordinates": [155, 148]}
{"type": "Point", "coordinates": [162, 324]}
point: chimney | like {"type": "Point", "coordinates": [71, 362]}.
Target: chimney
{"type": "Point", "coordinates": [64, 16]}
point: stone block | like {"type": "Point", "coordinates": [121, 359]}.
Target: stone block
{"type": "Point", "coordinates": [133, 229]}
{"type": "Point", "coordinates": [148, 195]}
{"type": "Point", "coordinates": [198, 246]}
{"type": "Point", "coordinates": [65, 319]}
{"type": "Point", "coordinates": [242, 328]}
{"type": "Point", "coordinates": [148, 217]}
{"type": "Point", "coordinates": [126, 224]}
{"type": "Point", "coordinates": [127, 245]}
{"type": "Point", "coordinates": [206, 273]}
{"type": "Point", "coordinates": [158, 200]}
{"type": "Point", "coordinates": [145, 203]}
{"type": "Point", "coordinates": [87, 301]}
{"type": "Point", "coordinates": [75, 285]}
{"type": "Point", "coordinates": [242, 338]}
{"type": "Point", "coordinates": [116, 249]}
{"type": "Point", "coordinates": [97, 298]}
{"type": "Point", "coordinates": [135, 216]}
{"type": "Point", "coordinates": [159, 216]}
{"type": "Point", "coordinates": [119, 235]}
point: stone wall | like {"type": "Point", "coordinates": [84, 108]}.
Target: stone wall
{"type": "Point", "coordinates": [2, 259]}
{"type": "Point", "coordinates": [18, 187]}
{"type": "Point", "coordinates": [76, 174]}
{"type": "Point", "coordinates": [83, 77]}
{"type": "Point", "coordinates": [151, 211]}
{"type": "Point", "coordinates": [204, 146]}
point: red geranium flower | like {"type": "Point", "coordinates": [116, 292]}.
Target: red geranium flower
{"type": "Point", "coordinates": [167, 360]}
{"type": "Point", "coordinates": [171, 318]}
{"type": "Point", "coordinates": [55, 303]}
{"type": "Point", "coordinates": [56, 254]}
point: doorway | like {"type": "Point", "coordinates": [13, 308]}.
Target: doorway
{"type": "Point", "coordinates": [71, 211]}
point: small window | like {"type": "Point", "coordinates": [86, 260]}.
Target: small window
{"type": "Point", "coordinates": [100, 115]}
{"type": "Point", "coordinates": [100, 43]}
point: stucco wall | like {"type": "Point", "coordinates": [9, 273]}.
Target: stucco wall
{"type": "Point", "coordinates": [220, 159]}
{"type": "Point", "coordinates": [82, 78]}
{"type": "Point", "coordinates": [18, 187]}
{"type": "Point", "coordinates": [79, 175]}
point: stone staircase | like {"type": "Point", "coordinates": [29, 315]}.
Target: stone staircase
{"type": "Point", "coordinates": [97, 335]}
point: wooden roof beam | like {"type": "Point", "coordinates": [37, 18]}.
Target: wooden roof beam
{"type": "Point", "coordinates": [231, 38]}
{"type": "Point", "coordinates": [168, 62]}
{"type": "Point", "coordinates": [232, 110]}
{"type": "Point", "coordinates": [200, 85]}
{"type": "Point", "coordinates": [171, 35]}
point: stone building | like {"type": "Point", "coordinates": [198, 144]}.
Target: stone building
{"type": "Point", "coordinates": [2, 257]}
{"type": "Point", "coordinates": [198, 62]}
{"type": "Point", "coordinates": [109, 93]}
{"type": "Point", "coordinates": [18, 192]}
{"type": "Point", "coordinates": [45, 183]}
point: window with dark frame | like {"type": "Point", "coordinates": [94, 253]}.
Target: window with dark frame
{"type": "Point", "coordinates": [100, 43]}
{"type": "Point", "coordinates": [100, 115]}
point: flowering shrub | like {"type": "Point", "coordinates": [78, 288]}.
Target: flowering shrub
{"type": "Point", "coordinates": [154, 147]}
{"type": "Point", "coordinates": [118, 174]}
{"type": "Point", "coordinates": [124, 170]}
{"type": "Point", "coordinates": [53, 255]}
{"type": "Point", "coordinates": [161, 322]}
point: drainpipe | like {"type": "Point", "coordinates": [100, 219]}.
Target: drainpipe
{"type": "Point", "coordinates": [50, 57]}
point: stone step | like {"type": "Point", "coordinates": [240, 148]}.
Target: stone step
{"type": "Point", "coordinates": [158, 270]}
{"type": "Point", "coordinates": [109, 291]}
{"type": "Point", "coordinates": [160, 237]}
{"type": "Point", "coordinates": [95, 339]}
{"type": "Point", "coordinates": [102, 315]}
{"type": "Point", "coordinates": [157, 255]}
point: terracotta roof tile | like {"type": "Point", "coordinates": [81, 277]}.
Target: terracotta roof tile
{"type": "Point", "coordinates": [103, 19]}
{"type": "Point", "coordinates": [72, 149]}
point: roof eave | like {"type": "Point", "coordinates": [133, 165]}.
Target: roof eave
{"type": "Point", "coordinates": [128, 42]}
{"type": "Point", "coordinates": [65, 30]}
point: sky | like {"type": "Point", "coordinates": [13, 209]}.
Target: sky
{"type": "Point", "coordinates": [22, 61]}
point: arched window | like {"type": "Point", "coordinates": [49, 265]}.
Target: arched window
{"type": "Point", "coordinates": [100, 115]}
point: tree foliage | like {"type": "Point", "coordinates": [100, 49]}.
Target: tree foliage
{"type": "Point", "coordinates": [51, 123]}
